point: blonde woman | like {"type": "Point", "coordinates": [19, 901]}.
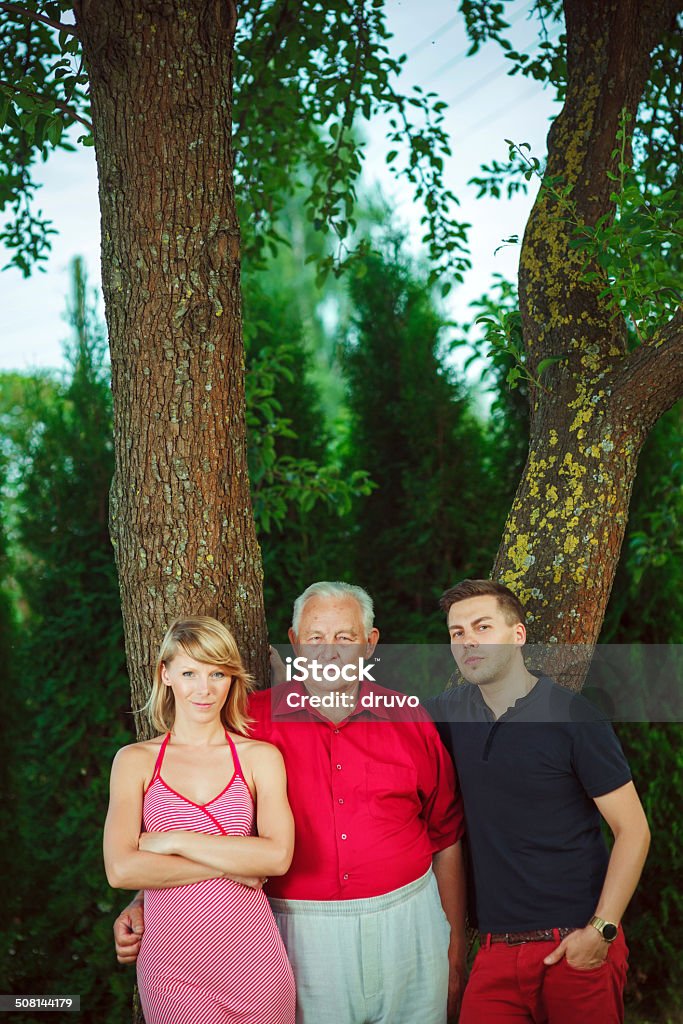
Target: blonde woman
{"type": "Point", "coordinates": [215, 822]}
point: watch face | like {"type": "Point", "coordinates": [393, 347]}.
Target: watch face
{"type": "Point", "coordinates": [609, 932]}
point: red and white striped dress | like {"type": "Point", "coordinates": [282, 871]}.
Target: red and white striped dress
{"type": "Point", "coordinates": [211, 952]}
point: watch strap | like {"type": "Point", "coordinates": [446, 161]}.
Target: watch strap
{"type": "Point", "coordinates": [608, 930]}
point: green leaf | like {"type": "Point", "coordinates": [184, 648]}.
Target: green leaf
{"type": "Point", "coordinates": [547, 363]}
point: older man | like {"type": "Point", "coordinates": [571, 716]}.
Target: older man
{"type": "Point", "coordinates": [539, 768]}
{"type": "Point", "coordinates": [372, 908]}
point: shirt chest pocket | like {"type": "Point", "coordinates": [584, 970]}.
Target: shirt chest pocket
{"type": "Point", "coordinates": [392, 792]}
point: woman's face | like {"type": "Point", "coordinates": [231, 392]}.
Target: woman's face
{"type": "Point", "coordinates": [200, 689]}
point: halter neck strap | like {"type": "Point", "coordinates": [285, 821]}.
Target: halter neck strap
{"type": "Point", "coordinates": [235, 758]}
{"type": "Point", "coordinates": [160, 758]}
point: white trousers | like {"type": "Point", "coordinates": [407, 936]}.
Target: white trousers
{"type": "Point", "coordinates": [382, 960]}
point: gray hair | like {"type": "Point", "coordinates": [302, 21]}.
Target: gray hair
{"type": "Point", "coordinates": [326, 589]}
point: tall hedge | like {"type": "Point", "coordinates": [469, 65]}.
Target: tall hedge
{"type": "Point", "coordinates": [74, 701]}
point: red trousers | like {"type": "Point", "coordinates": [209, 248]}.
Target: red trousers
{"type": "Point", "coordinates": [512, 985]}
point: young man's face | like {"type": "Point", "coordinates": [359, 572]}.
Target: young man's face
{"type": "Point", "coordinates": [484, 642]}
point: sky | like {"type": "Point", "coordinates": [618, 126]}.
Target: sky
{"type": "Point", "coordinates": [486, 106]}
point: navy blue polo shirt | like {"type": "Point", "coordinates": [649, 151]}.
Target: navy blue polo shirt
{"type": "Point", "coordinates": [536, 851]}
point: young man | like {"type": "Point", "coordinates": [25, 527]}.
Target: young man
{"type": "Point", "coordinates": [537, 767]}
{"type": "Point", "coordinates": [371, 910]}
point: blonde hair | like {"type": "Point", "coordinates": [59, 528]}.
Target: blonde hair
{"type": "Point", "coordinates": [208, 641]}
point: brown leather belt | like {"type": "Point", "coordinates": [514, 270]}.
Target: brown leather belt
{"type": "Point", "coordinates": [517, 938]}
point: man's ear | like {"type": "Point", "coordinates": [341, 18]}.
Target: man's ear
{"type": "Point", "coordinates": [520, 634]}
{"type": "Point", "coordinates": [292, 639]}
{"type": "Point", "coordinates": [373, 637]}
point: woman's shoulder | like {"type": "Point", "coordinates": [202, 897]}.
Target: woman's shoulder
{"type": "Point", "coordinates": [138, 754]}
{"type": "Point", "coordinates": [256, 752]}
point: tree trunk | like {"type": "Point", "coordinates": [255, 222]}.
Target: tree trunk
{"type": "Point", "coordinates": [180, 510]}
{"type": "Point", "coordinates": [595, 407]}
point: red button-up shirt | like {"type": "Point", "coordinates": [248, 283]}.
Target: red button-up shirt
{"type": "Point", "coordinates": [373, 796]}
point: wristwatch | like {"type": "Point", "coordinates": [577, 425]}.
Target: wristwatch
{"type": "Point", "coordinates": [608, 930]}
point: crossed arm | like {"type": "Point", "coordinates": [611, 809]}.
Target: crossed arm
{"type": "Point", "coordinates": [159, 860]}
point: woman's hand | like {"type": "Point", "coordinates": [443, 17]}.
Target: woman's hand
{"type": "Point", "coordinates": [157, 842]}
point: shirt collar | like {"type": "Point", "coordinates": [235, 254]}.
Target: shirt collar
{"type": "Point", "coordinates": [519, 705]}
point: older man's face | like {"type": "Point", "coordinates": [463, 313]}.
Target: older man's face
{"type": "Point", "coordinates": [331, 631]}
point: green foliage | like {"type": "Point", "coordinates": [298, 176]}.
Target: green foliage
{"type": "Point", "coordinates": [298, 488]}
{"type": "Point", "coordinates": [653, 921]}
{"type": "Point", "coordinates": [315, 72]}
{"type": "Point", "coordinates": [280, 481]}
{"type": "Point", "coordinates": [634, 250]}
{"type": "Point", "coordinates": [311, 71]}
{"type": "Point", "coordinates": [8, 638]}
{"type": "Point", "coordinates": [504, 337]}
{"type": "Point", "coordinates": [511, 177]}
{"type": "Point", "coordinates": [655, 139]}
{"type": "Point", "coordinates": [646, 604]}
{"type": "Point", "coordinates": [431, 519]}
{"type": "Point", "coordinates": [638, 247]}
{"type": "Point", "coordinates": [493, 336]}
{"type": "Point", "coordinates": [657, 133]}
{"type": "Point", "coordinates": [485, 21]}
{"type": "Point", "coordinates": [73, 709]}
{"type": "Point", "coordinates": [42, 93]}
{"type": "Point", "coordinates": [657, 130]}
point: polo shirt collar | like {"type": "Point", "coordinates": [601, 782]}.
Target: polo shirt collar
{"type": "Point", "coordinates": [519, 705]}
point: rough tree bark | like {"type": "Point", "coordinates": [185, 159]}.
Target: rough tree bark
{"type": "Point", "coordinates": [564, 532]}
{"type": "Point", "coordinates": [180, 510]}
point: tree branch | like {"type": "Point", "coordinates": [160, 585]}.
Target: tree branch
{"type": "Point", "coordinates": [609, 46]}
{"type": "Point", "coordinates": [55, 103]}
{"type": "Point", "coordinates": [651, 379]}
{"type": "Point", "coordinates": [40, 18]}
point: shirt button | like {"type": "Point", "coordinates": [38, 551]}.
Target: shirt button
{"type": "Point", "coordinates": [346, 878]}
{"type": "Point", "coordinates": [336, 732]}
{"type": "Point", "coordinates": [339, 767]}
{"type": "Point", "coordinates": [343, 835]}
{"type": "Point", "coordinates": [341, 799]}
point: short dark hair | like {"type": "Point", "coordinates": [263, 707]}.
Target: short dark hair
{"type": "Point", "coordinates": [509, 604]}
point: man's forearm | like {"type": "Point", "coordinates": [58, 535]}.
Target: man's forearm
{"type": "Point", "coordinates": [623, 872]}
{"type": "Point", "coordinates": [449, 869]}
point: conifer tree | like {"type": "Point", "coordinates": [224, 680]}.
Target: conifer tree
{"type": "Point", "coordinates": [10, 733]}
{"type": "Point", "coordinates": [413, 428]}
{"type": "Point", "coordinates": [299, 492]}
{"type": "Point", "coordinates": [75, 695]}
